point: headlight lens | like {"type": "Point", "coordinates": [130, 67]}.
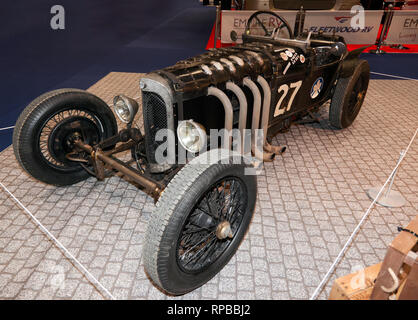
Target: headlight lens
{"type": "Point", "coordinates": [191, 135]}
{"type": "Point", "coordinates": [125, 108]}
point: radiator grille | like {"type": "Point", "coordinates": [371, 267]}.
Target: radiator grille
{"type": "Point", "coordinates": [155, 118]}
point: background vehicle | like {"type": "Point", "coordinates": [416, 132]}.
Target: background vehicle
{"type": "Point", "coordinates": [286, 4]}
{"type": "Point", "coordinates": [205, 206]}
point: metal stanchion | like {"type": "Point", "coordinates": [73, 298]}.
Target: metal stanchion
{"type": "Point", "coordinates": [218, 18]}
{"type": "Point", "coordinates": [219, 7]}
{"type": "Point", "coordinates": [299, 22]}
{"type": "Point", "coordinates": [400, 46]}
{"type": "Point", "coordinates": [385, 29]}
{"type": "Point", "coordinates": [390, 198]}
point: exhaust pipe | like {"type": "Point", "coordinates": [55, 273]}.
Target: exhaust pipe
{"type": "Point", "coordinates": [276, 149]}
{"type": "Point", "coordinates": [243, 106]}
{"type": "Point", "coordinates": [259, 154]}
{"type": "Point", "coordinates": [265, 117]}
{"type": "Point", "coordinates": [213, 91]}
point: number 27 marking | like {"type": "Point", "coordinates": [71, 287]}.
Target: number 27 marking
{"type": "Point", "coordinates": [285, 89]}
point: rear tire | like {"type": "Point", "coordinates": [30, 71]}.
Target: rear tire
{"type": "Point", "coordinates": [183, 246]}
{"type": "Point", "coordinates": [39, 137]}
{"type": "Point", "coordinates": [349, 96]}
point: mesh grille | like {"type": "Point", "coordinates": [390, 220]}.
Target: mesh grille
{"type": "Point", "coordinates": [155, 118]}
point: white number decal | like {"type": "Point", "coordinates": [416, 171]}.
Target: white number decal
{"type": "Point", "coordinates": [285, 89]}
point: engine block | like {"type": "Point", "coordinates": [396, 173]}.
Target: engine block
{"type": "Point", "coordinates": [235, 81]}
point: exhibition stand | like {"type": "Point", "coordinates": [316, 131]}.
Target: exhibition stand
{"type": "Point", "coordinates": [398, 27]}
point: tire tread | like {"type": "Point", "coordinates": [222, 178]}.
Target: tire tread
{"type": "Point", "coordinates": [164, 211]}
{"type": "Point", "coordinates": [28, 119]}
{"type": "Point", "coordinates": [341, 92]}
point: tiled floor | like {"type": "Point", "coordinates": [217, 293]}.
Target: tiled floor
{"type": "Point", "coordinates": [309, 202]}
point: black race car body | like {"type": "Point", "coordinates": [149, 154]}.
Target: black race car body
{"type": "Point", "coordinates": [301, 75]}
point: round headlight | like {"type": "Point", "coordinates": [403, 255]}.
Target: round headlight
{"type": "Point", "coordinates": [191, 135]}
{"type": "Point", "coordinates": [125, 108]}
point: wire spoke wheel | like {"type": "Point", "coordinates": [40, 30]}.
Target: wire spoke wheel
{"type": "Point", "coordinates": [199, 222]}
{"type": "Point", "coordinates": [349, 96]}
{"type": "Point", "coordinates": [356, 98]}
{"type": "Point", "coordinates": [44, 135]}
{"type": "Point", "coordinates": [211, 225]}
{"type": "Point", "coordinates": [58, 133]}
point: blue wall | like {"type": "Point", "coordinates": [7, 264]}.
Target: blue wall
{"type": "Point", "coordinates": [100, 36]}
{"type": "Point", "coordinates": [103, 36]}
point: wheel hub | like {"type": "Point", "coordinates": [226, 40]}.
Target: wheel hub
{"type": "Point", "coordinates": [72, 138]}
{"type": "Point", "coordinates": [62, 137]}
{"type": "Point", "coordinates": [224, 231]}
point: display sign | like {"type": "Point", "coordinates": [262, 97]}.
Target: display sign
{"type": "Point", "coordinates": [341, 23]}
{"type": "Point", "coordinates": [404, 28]}
{"type": "Point", "coordinates": [236, 21]}
{"type": "Point", "coordinates": [329, 22]}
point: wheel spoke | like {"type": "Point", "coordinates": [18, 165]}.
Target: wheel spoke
{"type": "Point", "coordinates": [55, 132]}
{"type": "Point", "coordinates": [195, 257]}
{"type": "Point", "coordinates": [205, 212]}
{"type": "Point", "coordinates": [209, 207]}
{"type": "Point", "coordinates": [236, 216]}
{"type": "Point", "coordinates": [197, 244]}
{"type": "Point", "coordinates": [201, 241]}
{"type": "Point", "coordinates": [262, 25]}
{"type": "Point", "coordinates": [232, 200]}
{"type": "Point", "coordinates": [209, 252]}
{"type": "Point", "coordinates": [200, 228]}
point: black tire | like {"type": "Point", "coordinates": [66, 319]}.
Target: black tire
{"type": "Point", "coordinates": [173, 213]}
{"type": "Point", "coordinates": [349, 96]}
{"type": "Point", "coordinates": [39, 161]}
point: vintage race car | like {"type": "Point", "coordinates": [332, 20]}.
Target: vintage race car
{"type": "Point", "coordinates": [204, 206]}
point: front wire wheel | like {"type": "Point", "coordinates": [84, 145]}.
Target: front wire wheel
{"type": "Point", "coordinates": [211, 225]}
{"type": "Point", "coordinates": [198, 224]}
{"type": "Point", "coordinates": [57, 136]}
{"type": "Point", "coordinates": [45, 131]}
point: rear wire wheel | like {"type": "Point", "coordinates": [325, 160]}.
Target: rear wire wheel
{"type": "Point", "coordinates": [349, 96]}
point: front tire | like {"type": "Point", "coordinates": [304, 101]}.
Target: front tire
{"type": "Point", "coordinates": [193, 232]}
{"type": "Point", "coordinates": [349, 96]}
{"type": "Point", "coordinates": [42, 134]}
